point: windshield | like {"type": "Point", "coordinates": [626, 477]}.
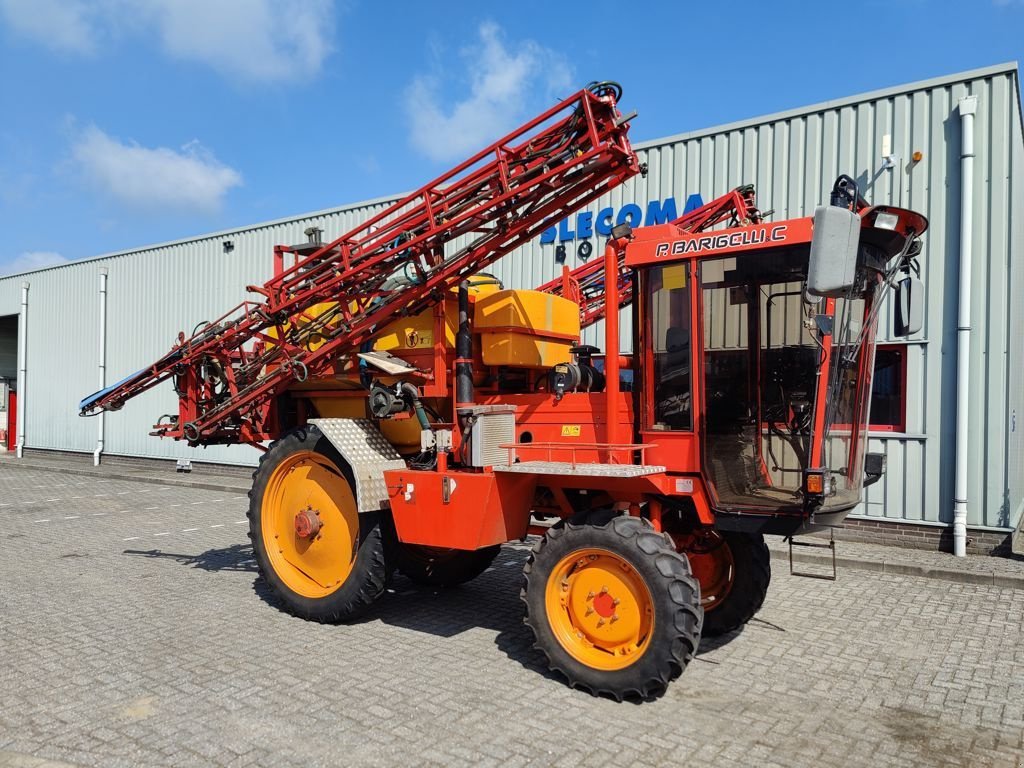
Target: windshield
{"type": "Point", "coordinates": [848, 399]}
{"type": "Point", "coordinates": [763, 348]}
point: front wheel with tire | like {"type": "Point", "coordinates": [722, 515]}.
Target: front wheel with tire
{"type": "Point", "coordinates": [612, 606]}
{"type": "Point", "coordinates": [322, 559]}
{"type": "Point", "coordinates": [441, 567]}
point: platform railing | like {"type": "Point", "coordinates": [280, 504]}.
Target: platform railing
{"type": "Point", "coordinates": [611, 450]}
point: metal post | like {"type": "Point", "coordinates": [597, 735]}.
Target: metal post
{"type": "Point", "coordinates": [103, 361]}
{"type": "Point", "coordinates": [22, 363]}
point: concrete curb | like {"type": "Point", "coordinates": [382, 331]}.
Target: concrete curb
{"type": "Point", "coordinates": [989, 578]}
{"type": "Point", "coordinates": [206, 485]}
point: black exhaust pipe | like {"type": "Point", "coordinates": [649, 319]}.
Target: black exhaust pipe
{"type": "Point", "coordinates": [464, 352]}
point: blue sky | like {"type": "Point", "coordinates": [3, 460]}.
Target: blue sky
{"type": "Point", "coordinates": [128, 122]}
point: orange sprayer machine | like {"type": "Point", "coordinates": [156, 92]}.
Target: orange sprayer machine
{"type": "Point", "coordinates": [421, 415]}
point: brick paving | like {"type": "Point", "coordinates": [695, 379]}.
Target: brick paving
{"type": "Point", "coordinates": [133, 631]}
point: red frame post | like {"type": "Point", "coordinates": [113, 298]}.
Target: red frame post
{"type": "Point", "coordinates": [611, 343]}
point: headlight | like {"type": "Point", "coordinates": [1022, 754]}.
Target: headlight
{"type": "Point", "coordinates": [886, 220]}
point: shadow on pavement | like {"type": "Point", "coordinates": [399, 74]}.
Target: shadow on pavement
{"type": "Point", "coordinates": [238, 557]}
{"type": "Point", "coordinates": [708, 644]}
{"type": "Point", "coordinates": [491, 601]}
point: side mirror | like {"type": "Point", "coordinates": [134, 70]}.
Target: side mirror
{"type": "Point", "coordinates": [908, 308]}
{"type": "Point", "coordinates": [874, 468]}
{"type": "Point", "coordinates": [832, 269]}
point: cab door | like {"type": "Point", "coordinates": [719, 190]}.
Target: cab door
{"type": "Point", "coordinates": [669, 401]}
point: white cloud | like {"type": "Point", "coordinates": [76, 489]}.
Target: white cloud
{"type": "Point", "coordinates": [63, 25]}
{"type": "Point", "coordinates": [263, 40]}
{"type": "Point", "coordinates": [502, 85]}
{"type": "Point", "coordinates": [30, 260]}
{"type": "Point", "coordinates": [255, 40]}
{"type": "Point", "coordinates": [187, 179]}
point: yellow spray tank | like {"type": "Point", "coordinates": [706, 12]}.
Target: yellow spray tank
{"type": "Point", "coordinates": [513, 328]}
{"type": "Point", "coordinates": [526, 329]}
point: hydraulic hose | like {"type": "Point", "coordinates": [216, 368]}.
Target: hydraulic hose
{"type": "Point", "coordinates": [417, 407]}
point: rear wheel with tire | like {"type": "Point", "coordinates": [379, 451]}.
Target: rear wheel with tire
{"type": "Point", "coordinates": [734, 570]}
{"type": "Point", "coordinates": [440, 567]}
{"type": "Point", "coordinates": [322, 559]}
{"type": "Point", "coordinates": [612, 605]}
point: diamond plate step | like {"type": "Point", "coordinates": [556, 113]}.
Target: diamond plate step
{"type": "Point", "coordinates": [581, 470]}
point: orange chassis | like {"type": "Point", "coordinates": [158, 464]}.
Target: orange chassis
{"type": "Point", "coordinates": [462, 509]}
{"type": "Point", "coordinates": [465, 509]}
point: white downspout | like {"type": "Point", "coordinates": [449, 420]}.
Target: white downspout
{"type": "Point", "coordinates": [103, 360]}
{"type": "Point", "coordinates": [22, 357]}
{"type": "Point", "coordinates": [968, 106]}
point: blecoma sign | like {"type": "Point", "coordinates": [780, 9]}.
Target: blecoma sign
{"type": "Point", "coordinates": [586, 224]}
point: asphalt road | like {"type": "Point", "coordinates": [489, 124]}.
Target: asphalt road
{"type": "Point", "coordinates": [134, 631]}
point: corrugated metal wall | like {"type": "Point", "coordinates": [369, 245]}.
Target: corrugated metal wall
{"type": "Point", "coordinates": [152, 294]}
{"type": "Point", "coordinates": [792, 158]}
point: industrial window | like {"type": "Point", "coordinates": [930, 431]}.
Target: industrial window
{"type": "Point", "coordinates": [889, 389]}
{"type": "Point", "coordinates": [888, 410]}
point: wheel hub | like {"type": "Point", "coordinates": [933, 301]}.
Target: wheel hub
{"type": "Point", "coordinates": [604, 604]}
{"type": "Point", "coordinates": [307, 523]}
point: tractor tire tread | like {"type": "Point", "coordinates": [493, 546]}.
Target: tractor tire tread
{"type": "Point", "coordinates": [749, 589]}
{"type": "Point", "coordinates": [680, 599]}
{"type": "Point", "coordinates": [370, 570]}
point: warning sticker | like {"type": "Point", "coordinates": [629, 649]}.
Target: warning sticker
{"type": "Point", "coordinates": [570, 430]}
{"type": "Point", "coordinates": [674, 277]}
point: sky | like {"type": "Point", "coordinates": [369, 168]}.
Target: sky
{"type": "Point", "coordinates": [130, 122]}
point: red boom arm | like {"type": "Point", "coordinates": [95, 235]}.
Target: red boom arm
{"type": "Point", "coordinates": [398, 263]}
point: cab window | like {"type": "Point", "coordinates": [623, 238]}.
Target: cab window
{"type": "Point", "coordinates": [668, 302]}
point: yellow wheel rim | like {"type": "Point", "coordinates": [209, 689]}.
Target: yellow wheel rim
{"type": "Point", "coordinates": [599, 609]}
{"type": "Point", "coordinates": [308, 485]}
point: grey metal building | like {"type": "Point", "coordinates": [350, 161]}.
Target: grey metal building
{"type": "Point", "coordinates": [904, 145]}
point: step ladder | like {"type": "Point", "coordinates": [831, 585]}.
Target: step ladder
{"type": "Point", "coordinates": [830, 545]}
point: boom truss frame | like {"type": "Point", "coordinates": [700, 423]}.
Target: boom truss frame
{"type": "Point", "coordinates": [229, 374]}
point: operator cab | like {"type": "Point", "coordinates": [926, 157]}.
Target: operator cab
{"type": "Point", "coordinates": [758, 344]}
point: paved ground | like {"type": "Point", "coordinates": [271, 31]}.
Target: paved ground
{"type": "Point", "coordinates": [133, 632]}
